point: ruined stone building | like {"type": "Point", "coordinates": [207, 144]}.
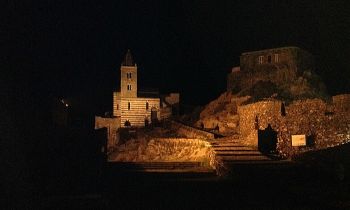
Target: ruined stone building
{"type": "Point", "coordinates": [288, 69]}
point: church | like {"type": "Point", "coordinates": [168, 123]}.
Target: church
{"type": "Point", "coordinates": [138, 108]}
{"type": "Point", "coordinates": [133, 108]}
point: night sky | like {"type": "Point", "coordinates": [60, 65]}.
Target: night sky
{"type": "Point", "coordinates": [66, 48]}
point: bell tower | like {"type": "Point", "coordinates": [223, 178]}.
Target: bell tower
{"type": "Point", "coordinates": [128, 77]}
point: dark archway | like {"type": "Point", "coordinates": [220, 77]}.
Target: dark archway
{"type": "Point", "coordinates": [127, 123]}
{"type": "Point", "coordinates": [283, 110]}
{"type": "Point", "coordinates": [175, 110]}
{"type": "Point", "coordinates": [154, 118]}
{"type": "Point", "coordinates": [267, 140]}
{"type": "Point", "coordinates": [146, 122]}
{"type": "Point", "coordinates": [256, 122]}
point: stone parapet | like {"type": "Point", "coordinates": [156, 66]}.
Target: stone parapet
{"type": "Point", "coordinates": [190, 132]}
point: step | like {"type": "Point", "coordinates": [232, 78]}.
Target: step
{"type": "Point", "coordinates": [228, 145]}
{"type": "Point", "coordinates": [221, 142]}
{"type": "Point", "coordinates": [234, 136]}
{"type": "Point", "coordinates": [167, 165]}
{"type": "Point", "coordinates": [243, 157]}
{"type": "Point", "coordinates": [218, 148]}
{"type": "Point", "coordinates": [224, 139]}
{"type": "Point", "coordinates": [159, 166]}
{"type": "Point", "coordinates": [280, 163]}
{"type": "Point", "coordinates": [189, 170]}
{"type": "Point", "coordinates": [237, 152]}
{"type": "Point", "coordinates": [229, 142]}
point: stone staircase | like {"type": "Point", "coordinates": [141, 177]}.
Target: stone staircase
{"type": "Point", "coordinates": [230, 152]}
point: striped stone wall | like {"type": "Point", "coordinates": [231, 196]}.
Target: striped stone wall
{"type": "Point", "coordinates": [116, 104]}
{"type": "Point", "coordinates": [137, 113]}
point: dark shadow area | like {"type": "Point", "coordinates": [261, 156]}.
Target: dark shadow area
{"type": "Point", "coordinates": [127, 134]}
{"type": "Point", "coordinates": [283, 110]}
{"type": "Point", "coordinates": [267, 140]}
{"type": "Point", "coordinates": [310, 140]}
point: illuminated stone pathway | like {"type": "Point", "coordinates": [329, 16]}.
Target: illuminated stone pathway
{"type": "Point", "coordinates": [230, 151]}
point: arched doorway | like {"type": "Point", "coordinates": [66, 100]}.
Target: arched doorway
{"type": "Point", "coordinates": [154, 117]}
{"type": "Point", "coordinates": [146, 122]}
{"type": "Point", "coordinates": [127, 123]}
{"type": "Point", "coordinates": [267, 140]}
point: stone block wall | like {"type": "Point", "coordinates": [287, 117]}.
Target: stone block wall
{"type": "Point", "coordinates": [257, 116]}
{"type": "Point", "coordinates": [341, 102]}
{"type": "Point", "coordinates": [309, 117]}
{"type": "Point", "coordinates": [292, 57]}
{"type": "Point", "coordinates": [166, 149]}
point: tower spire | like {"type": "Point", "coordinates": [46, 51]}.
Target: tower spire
{"type": "Point", "coordinates": [128, 61]}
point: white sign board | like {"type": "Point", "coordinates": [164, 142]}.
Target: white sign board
{"type": "Point", "coordinates": [298, 140]}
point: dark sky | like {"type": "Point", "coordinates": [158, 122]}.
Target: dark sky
{"type": "Point", "coordinates": [76, 47]}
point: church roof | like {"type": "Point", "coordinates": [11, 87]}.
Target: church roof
{"type": "Point", "coordinates": [128, 61]}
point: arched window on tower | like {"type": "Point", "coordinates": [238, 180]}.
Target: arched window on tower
{"type": "Point", "coordinates": [147, 105]}
{"type": "Point", "coordinates": [128, 105]}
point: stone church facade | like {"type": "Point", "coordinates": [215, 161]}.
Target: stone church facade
{"type": "Point", "coordinates": [133, 107]}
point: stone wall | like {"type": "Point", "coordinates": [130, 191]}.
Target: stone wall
{"type": "Point", "coordinates": [165, 113]}
{"type": "Point", "coordinates": [112, 124]}
{"type": "Point", "coordinates": [190, 132]}
{"type": "Point", "coordinates": [233, 80]}
{"type": "Point", "coordinates": [341, 102]}
{"type": "Point", "coordinates": [309, 117]}
{"type": "Point", "coordinates": [293, 57]}
{"type": "Point", "coordinates": [138, 113]}
{"type": "Point", "coordinates": [165, 149]}
{"type": "Point", "coordinates": [257, 116]}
